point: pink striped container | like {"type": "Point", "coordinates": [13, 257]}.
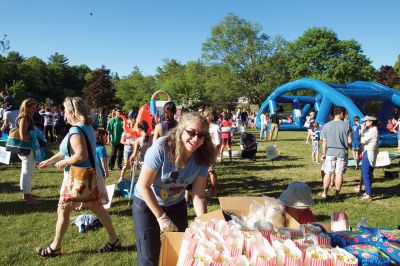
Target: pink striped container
{"type": "Point", "coordinates": [324, 240]}
{"type": "Point", "coordinates": [317, 262]}
{"type": "Point", "coordinates": [260, 261]}
{"type": "Point", "coordinates": [292, 261]}
{"type": "Point", "coordinates": [189, 261]}
{"type": "Point", "coordinates": [267, 234]}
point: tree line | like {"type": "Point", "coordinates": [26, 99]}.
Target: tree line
{"type": "Point", "coordinates": [238, 59]}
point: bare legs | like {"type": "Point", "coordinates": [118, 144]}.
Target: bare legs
{"type": "Point", "coordinates": [63, 224]}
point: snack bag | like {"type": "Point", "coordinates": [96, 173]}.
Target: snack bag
{"type": "Point", "coordinates": [310, 229]}
{"type": "Point", "coordinates": [342, 238]}
{"type": "Point", "coordinates": [343, 258]}
{"type": "Point", "coordinates": [263, 255]}
{"type": "Point", "coordinates": [292, 233]}
{"type": "Point", "coordinates": [368, 255]}
{"type": "Point", "coordinates": [287, 254]}
{"type": "Point", "coordinates": [391, 248]}
{"type": "Point", "coordinates": [389, 234]}
{"type": "Point", "coordinates": [238, 261]}
{"type": "Point", "coordinates": [324, 240]}
{"type": "Point", "coordinates": [317, 256]}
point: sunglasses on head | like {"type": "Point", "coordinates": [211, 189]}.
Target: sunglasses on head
{"type": "Point", "coordinates": [193, 133]}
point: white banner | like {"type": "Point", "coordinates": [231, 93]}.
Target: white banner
{"type": "Point", "coordinates": [4, 155]}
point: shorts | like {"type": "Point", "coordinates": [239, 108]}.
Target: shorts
{"type": "Point", "coordinates": [309, 130]}
{"type": "Point", "coordinates": [335, 165]}
{"type": "Point", "coordinates": [127, 154]}
{"type": "Point", "coordinates": [355, 144]}
{"type": "Point", "coordinates": [226, 142]}
{"type": "Point", "coordinates": [315, 146]}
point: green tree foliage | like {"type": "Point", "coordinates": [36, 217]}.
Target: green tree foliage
{"type": "Point", "coordinates": [388, 77]}
{"type": "Point", "coordinates": [397, 66]}
{"type": "Point", "coordinates": [134, 90]}
{"type": "Point", "coordinates": [18, 89]}
{"type": "Point", "coordinates": [244, 49]}
{"type": "Point", "coordinates": [171, 78]}
{"type": "Point", "coordinates": [319, 54]}
{"type": "Point", "coordinates": [100, 91]}
{"type": "Point", "coordinates": [4, 44]}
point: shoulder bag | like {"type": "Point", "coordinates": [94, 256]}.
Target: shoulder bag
{"type": "Point", "coordinates": [16, 144]}
{"type": "Point", "coordinates": [82, 181]}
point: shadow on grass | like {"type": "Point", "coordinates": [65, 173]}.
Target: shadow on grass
{"type": "Point", "coordinates": [9, 187]}
{"type": "Point", "coordinates": [20, 207]}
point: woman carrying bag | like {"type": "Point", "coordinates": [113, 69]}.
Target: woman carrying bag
{"type": "Point", "coordinates": [76, 154]}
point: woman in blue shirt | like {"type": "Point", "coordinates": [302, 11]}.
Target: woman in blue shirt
{"type": "Point", "coordinates": [173, 162]}
{"type": "Point", "coordinates": [77, 113]}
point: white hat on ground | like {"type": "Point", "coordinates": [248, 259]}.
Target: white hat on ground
{"type": "Point", "coordinates": [297, 195]}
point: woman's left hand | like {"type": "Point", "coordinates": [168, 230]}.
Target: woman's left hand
{"type": "Point", "coordinates": [44, 164]}
{"type": "Point", "coordinates": [61, 164]}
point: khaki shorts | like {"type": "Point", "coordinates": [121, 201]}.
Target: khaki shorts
{"type": "Point", "coordinates": [335, 165]}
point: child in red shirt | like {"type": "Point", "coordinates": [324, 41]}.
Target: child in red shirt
{"type": "Point", "coordinates": [226, 137]}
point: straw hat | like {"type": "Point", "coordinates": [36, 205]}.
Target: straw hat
{"type": "Point", "coordinates": [297, 195]}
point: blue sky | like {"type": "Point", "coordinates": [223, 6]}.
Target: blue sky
{"type": "Point", "coordinates": [125, 34]}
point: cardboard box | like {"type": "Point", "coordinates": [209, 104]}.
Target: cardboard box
{"type": "Point", "coordinates": [171, 241]}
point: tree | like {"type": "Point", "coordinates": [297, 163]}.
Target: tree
{"type": "Point", "coordinates": [134, 90]}
{"type": "Point", "coordinates": [388, 77]}
{"type": "Point", "coordinates": [397, 66]}
{"type": "Point", "coordinates": [244, 49]}
{"type": "Point", "coordinates": [4, 44]}
{"type": "Point", "coordinates": [171, 77]}
{"type": "Point", "coordinates": [18, 90]}
{"type": "Point", "coordinates": [100, 91]}
{"type": "Point", "coordinates": [33, 72]}
{"type": "Point", "coordinates": [319, 54]}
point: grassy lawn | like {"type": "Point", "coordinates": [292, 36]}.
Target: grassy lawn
{"type": "Point", "coordinates": [24, 227]}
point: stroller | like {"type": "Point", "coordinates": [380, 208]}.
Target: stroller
{"type": "Point", "coordinates": [126, 187]}
{"type": "Point", "coordinates": [248, 143]}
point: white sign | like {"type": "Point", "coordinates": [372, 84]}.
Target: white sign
{"type": "Point", "coordinates": [4, 155]}
{"type": "Point", "coordinates": [271, 152]}
{"type": "Point", "coordinates": [382, 159]}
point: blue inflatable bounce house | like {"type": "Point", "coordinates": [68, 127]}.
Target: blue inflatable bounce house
{"type": "Point", "coordinates": [352, 96]}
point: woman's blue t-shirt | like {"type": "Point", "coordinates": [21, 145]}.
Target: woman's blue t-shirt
{"type": "Point", "coordinates": [100, 154]}
{"type": "Point", "coordinates": [172, 190]}
{"type": "Point", "coordinates": [88, 129]}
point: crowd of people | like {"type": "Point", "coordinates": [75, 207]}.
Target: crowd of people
{"type": "Point", "coordinates": [178, 160]}
{"type": "Point", "coordinates": [337, 137]}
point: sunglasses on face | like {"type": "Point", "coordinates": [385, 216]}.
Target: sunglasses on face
{"type": "Point", "coordinates": [193, 133]}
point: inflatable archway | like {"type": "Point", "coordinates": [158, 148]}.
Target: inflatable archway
{"type": "Point", "coordinates": [324, 100]}
{"type": "Point", "coordinates": [153, 99]}
{"type": "Point", "coordinates": [352, 96]}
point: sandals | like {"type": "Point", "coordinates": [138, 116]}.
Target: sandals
{"type": "Point", "coordinates": [110, 247]}
{"type": "Point", "coordinates": [48, 252]}
{"type": "Point", "coordinates": [322, 195]}
{"type": "Point", "coordinates": [366, 197]}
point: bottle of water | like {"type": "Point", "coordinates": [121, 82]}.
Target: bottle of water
{"type": "Point", "coordinates": [363, 222]}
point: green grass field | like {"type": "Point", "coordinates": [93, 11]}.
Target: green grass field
{"type": "Point", "coordinates": [24, 227]}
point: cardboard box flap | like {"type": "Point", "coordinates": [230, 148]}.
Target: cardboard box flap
{"type": "Point", "coordinates": [238, 205]}
{"type": "Point", "coordinates": [170, 247]}
{"type": "Point", "coordinates": [217, 215]}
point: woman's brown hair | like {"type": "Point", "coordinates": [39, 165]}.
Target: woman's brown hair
{"type": "Point", "coordinates": [173, 144]}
